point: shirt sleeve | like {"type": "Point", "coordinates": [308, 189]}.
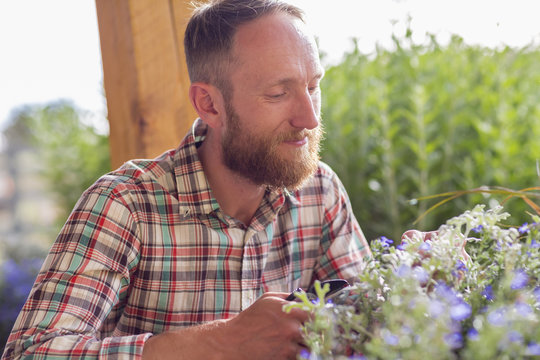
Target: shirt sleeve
{"type": "Point", "coordinates": [82, 287]}
{"type": "Point", "coordinates": [343, 245]}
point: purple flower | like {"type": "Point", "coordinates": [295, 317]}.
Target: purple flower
{"type": "Point", "coordinates": [460, 266]}
{"type": "Point", "coordinates": [461, 311]}
{"type": "Point", "coordinates": [533, 349]}
{"type": "Point", "coordinates": [520, 280]}
{"type": "Point", "coordinates": [536, 293]}
{"type": "Point", "coordinates": [421, 275]}
{"type": "Point", "coordinates": [534, 244]}
{"type": "Point", "coordinates": [425, 246]}
{"type": "Point", "coordinates": [447, 293]}
{"type": "Point", "coordinates": [488, 293]}
{"type": "Point", "coordinates": [523, 309]}
{"type": "Point", "coordinates": [523, 229]}
{"type": "Point", "coordinates": [403, 270]}
{"type": "Point", "coordinates": [402, 245]}
{"type": "Point", "coordinates": [391, 339]}
{"type": "Point", "coordinates": [454, 340]}
{"type": "Point", "coordinates": [305, 354]}
{"type": "Point", "coordinates": [479, 229]}
{"type": "Point", "coordinates": [514, 336]}
{"type": "Point", "coordinates": [497, 317]}
{"type": "Point", "coordinates": [472, 334]}
{"type": "Point", "coordinates": [436, 308]}
{"type": "Point", "coordinates": [386, 242]}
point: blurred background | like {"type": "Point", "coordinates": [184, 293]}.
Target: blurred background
{"type": "Point", "coordinates": [420, 97]}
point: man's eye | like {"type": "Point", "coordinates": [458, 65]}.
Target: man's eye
{"type": "Point", "coordinates": [313, 89]}
{"type": "Point", "coordinates": [277, 96]}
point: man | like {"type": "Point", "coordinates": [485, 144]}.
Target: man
{"type": "Point", "coordinates": [191, 255]}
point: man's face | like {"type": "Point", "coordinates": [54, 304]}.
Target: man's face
{"type": "Point", "coordinates": [273, 130]}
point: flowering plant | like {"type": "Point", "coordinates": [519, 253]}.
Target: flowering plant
{"type": "Point", "coordinates": [430, 299]}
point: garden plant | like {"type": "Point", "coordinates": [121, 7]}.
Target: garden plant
{"type": "Point", "coordinates": [430, 299]}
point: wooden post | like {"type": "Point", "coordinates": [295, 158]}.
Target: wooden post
{"type": "Point", "coordinates": [145, 75]}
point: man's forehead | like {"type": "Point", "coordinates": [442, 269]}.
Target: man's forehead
{"type": "Point", "coordinates": [278, 39]}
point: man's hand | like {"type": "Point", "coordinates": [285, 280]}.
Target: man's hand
{"type": "Point", "coordinates": [262, 331]}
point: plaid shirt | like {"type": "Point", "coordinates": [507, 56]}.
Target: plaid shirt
{"type": "Point", "coordinates": [147, 249]}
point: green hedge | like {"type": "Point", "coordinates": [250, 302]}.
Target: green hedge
{"type": "Point", "coordinates": [426, 119]}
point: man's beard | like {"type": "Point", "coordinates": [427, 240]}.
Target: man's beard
{"type": "Point", "coordinates": [257, 157]}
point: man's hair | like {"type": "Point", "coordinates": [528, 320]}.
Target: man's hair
{"type": "Point", "coordinates": [209, 35]}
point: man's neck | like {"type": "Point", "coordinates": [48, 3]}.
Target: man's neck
{"type": "Point", "coordinates": [237, 196]}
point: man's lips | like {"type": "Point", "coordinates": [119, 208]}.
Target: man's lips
{"type": "Point", "coordinates": [297, 142]}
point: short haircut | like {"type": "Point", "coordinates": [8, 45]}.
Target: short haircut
{"type": "Point", "coordinates": [209, 35]}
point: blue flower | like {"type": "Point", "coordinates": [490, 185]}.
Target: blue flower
{"type": "Point", "coordinates": [472, 334]}
{"type": "Point", "coordinates": [497, 317]}
{"type": "Point", "coordinates": [403, 270]}
{"type": "Point", "coordinates": [425, 246]}
{"type": "Point", "coordinates": [523, 309]}
{"type": "Point", "coordinates": [386, 242]}
{"type": "Point", "coordinates": [402, 245]}
{"type": "Point", "coordinates": [460, 311]}
{"type": "Point", "coordinates": [523, 229]}
{"type": "Point", "coordinates": [460, 266]}
{"type": "Point", "coordinates": [436, 308]}
{"type": "Point", "coordinates": [534, 244]}
{"type": "Point", "coordinates": [488, 293]}
{"type": "Point", "coordinates": [447, 293]}
{"type": "Point", "coordinates": [421, 275]}
{"type": "Point", "coordinates": [514, 336]}
{"type": "Point", "coordinates": [520, 280]}
{"type": "Point", "coordinates": [454, 340]}
{"type": "Point", "coordinates": [533, 349]}
{"type": "Point", "coordinates": [536, 293]}
{"type": "Point", "coordinates": [390, 338]}
{"type": "Point", "coordinates": [478, 229]}
{"type": "Point", "coordinates": [304, 354]}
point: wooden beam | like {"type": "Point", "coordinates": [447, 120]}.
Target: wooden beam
{"type": "Point", "coordinates": [145, 75]}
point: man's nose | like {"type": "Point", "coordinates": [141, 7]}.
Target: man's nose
{"type": "Point", "coordinates": [307, 111]}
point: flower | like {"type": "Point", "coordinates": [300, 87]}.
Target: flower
{"type": "Point", "coordinates": [497, 317]}
{"type": "Point", "coordinates": [386, 242]}
{"type": "Point", "coordinates": [523, 229]}
{"type": "Point", "coordinates": [454, 340]}
{"type": "Point", "coordinates": [533, 349]}
{"type": "Point", "coordinates": [421, 275]}
{"type": "Point", "coordinates": [472, 334]}
{"type": "Point", "coordinates": [478, 229]}
{"type": "Point", "coordinates": [435, 308]}
{"type": "Point", "coordinates": [460, 311]}
{"type": "Point", "coordinates": [523, 309]}
{"type": "Point", "coordinates": [460, 266]}
{"type": "Point", "coordinates": [402, 245]}
{"type": "Point", "coordinates": [488, 293]}
{"type": "Point", "coordinates": [536, 293]}
{"type": "Point", "coordinates": [514, 336]}
{"type": "Point", "coordinates": [425, 246]}
{"type": "Point", "coordinates": [520, 280]}
{"type": "Point", "coordinates": [390, 338]}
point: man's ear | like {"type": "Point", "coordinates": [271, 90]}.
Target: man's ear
{"type": "Point", "coordinates": [208, 102]}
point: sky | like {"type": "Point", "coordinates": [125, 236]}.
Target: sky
{"type": "Point", "coordinates": [49, 50]}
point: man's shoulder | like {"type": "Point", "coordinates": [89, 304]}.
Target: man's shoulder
{"type": "Point", "coordinates": [324, 176]}
{"type": "Point", "coordinates": [140, 175]}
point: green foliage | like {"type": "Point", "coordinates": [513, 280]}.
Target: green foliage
{"type": "Point", "coordinates": [73, 153]}
{"type": "Point", "coordinates": [426, 119]}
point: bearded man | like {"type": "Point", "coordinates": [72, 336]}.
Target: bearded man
{"type": "Point", "coordinates": [192, 255]}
